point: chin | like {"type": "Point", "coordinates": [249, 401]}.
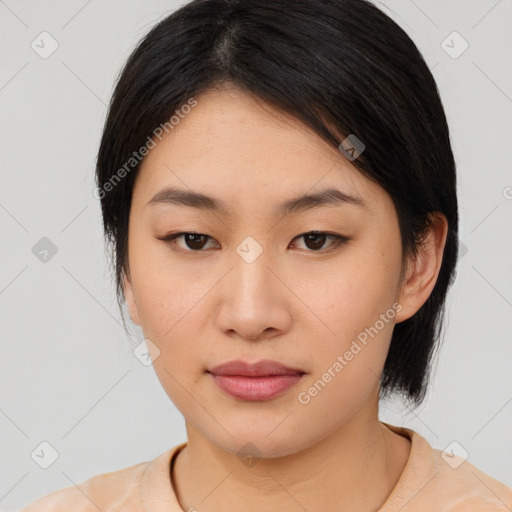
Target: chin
{"type": "Point", "coordinates": [251, 443]}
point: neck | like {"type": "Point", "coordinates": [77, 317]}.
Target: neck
{"type": "Point", "coordinates": [354, 468]}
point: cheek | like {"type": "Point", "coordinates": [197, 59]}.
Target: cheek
{"type": "Point", "coordinates": [357, 306]}
{"type": "Point", "coordinates": [171, 306]}
{"type": "Point", "coordinates": [166, 292]}
{"type": "Point", "coordinates": [171, 309]}
{"type": "Point", "coordinates": [359, 293]}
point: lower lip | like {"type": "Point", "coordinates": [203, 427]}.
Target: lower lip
{"type": "Point", "coordinates": [256, 388]}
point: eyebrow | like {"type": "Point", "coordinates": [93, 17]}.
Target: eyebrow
{"type": "Point", "coordinates": [325, 197]}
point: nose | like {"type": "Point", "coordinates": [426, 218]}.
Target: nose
{"type": "Point", "coordinates": [254, 301]}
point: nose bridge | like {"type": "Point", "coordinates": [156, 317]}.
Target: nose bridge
{"type": "Point", "coordinates": [252, 299]}
{"type": "Point", "coordinates": [252, 279]}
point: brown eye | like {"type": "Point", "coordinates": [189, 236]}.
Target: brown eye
{"type": "Point", "coordinates": [315, 240]}
{"type": "Point", "coordinates": [193, 241]}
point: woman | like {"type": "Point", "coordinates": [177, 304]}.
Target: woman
{"type": "Point", "coordinates": [277, 183]}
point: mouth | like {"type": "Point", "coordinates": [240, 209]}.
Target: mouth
{"type": "Point", "coordinates": [258, 381]}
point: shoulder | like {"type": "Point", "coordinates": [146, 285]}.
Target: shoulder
{"type": "Point", "coordinates": [440, 480]}
{"type": "Point", "coordinates": [99, 492]}
{"type": "Point", "coordinates": [469, 487]}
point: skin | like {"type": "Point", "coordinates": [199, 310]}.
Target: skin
{"type": "Point", "coordinates": [294, 304]}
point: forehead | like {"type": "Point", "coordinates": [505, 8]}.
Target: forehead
{"type": "Point", "coordinates": [239, 148]}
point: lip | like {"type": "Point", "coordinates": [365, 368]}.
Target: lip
{"type": "Point", "coordinates": [261, 368]}
{"type": "Point", "coordinates": [258, 381]}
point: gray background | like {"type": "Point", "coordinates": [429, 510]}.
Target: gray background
{"type": "Point", "coordinates": [68, 375]}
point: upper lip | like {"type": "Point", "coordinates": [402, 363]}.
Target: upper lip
{"type": "Point", "coordinates": [256, 369]}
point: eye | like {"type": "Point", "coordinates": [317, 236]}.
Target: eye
{"type": "Point", "coordinates": [315, 240]}
{"type": "Point", "coordinates": [196, 242]}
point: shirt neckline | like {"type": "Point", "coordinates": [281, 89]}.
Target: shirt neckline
{"type": "Point", "coordinates": [157, 493]}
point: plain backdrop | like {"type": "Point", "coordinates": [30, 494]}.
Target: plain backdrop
{"type": "Point", "coordinates": [68, 374]}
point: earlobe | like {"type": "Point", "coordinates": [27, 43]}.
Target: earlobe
{"type": "Point", "coordinates": [130, 299]}
{"type": "Point", "coordinates": [423, 270]}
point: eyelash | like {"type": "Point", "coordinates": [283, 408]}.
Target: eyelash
{"type": "Point", "coordinates": [338, 239]}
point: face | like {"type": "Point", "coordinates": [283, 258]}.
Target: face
{"type": "Point", "coordinates": [254, 283]}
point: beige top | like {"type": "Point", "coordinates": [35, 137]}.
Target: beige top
{"type": "Point", "coordinates": [428, 484]}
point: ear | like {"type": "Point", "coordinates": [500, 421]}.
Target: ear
{"type": "Point", "coordinates": [130, 299]}
{"type": "Point", "coordinates": [422, 271]}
